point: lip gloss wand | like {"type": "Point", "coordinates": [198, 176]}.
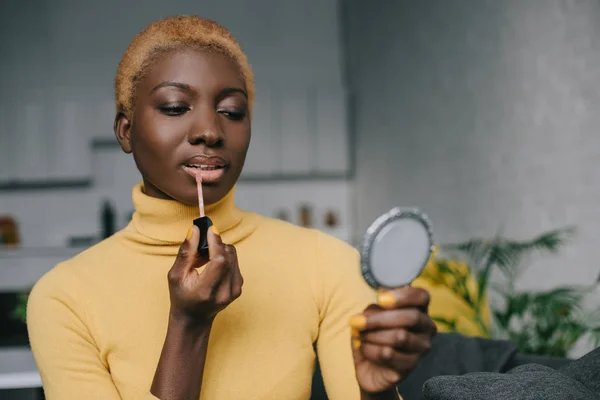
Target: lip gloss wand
{"type": "Point", "coordinates": [203, 222]}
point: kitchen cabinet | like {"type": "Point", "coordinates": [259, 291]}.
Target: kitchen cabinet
{"type": "Point", "coordinates": [25, 138]}
{"type": "Point", "coordinates": [6, 146]}
{"type": "Point", "coordinates": [332, 133]}
{"type": "Point", "coordinates": [263, 155]}
{"type": "Point", "coordinates": [25, 96]}
{"type": "Point", "coordinates": [18, 371]}
{"type": "Point", "coordinates": [101, 122]}
{"type": "Point", "coordinates": [70, 153]}
{"type": "Point", "coordinates": [45, 141]}
{"type": "Point", "coordinates": [299, 131]}
{"type": "Point", "coordinates": [20, 268]}
{"type": "Point", "coordinates": [297, 134]}
{"type": "Point", "coordinates": [31, 158]}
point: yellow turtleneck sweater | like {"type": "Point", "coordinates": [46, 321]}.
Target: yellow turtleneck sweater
{"type": "Point", "coordinates": [97, 322]}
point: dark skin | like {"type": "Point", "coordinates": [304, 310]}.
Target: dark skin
{"type": "Point", "coordinates": [190, 103]}
{"type": "Point", "coordinates": [193, 103]}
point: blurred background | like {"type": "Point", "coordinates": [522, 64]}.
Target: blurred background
{"type": "Point", "coordinates": [483, 113]}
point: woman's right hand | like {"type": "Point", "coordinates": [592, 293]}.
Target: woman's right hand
{"type": "Point", "coordinates": [199, 287]}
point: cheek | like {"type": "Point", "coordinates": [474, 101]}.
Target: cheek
{"type": "Point", "coordinates": [154, 141]}
{"type": "Point", "coordinates": [240, 142]}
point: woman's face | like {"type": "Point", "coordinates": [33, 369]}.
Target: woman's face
{"type": "Point", "coordinates": [190, 112]}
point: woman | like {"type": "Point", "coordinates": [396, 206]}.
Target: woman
{"type": "Point", "coordinates": [141, 315]}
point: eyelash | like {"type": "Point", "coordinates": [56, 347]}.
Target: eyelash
{"type": "Point", "coordinates": [175, 111]}
{"type": "Point", "coordinates": [233, 115]}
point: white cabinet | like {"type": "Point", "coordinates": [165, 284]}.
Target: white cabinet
{"type": "Point", "coordinates": [297, 136]}
{"type": "Point", "coordinates": [100, 124]}
{"type": "Point", "coordinates": [263, 156]}
{"type": "Point", "coordinates": [71, 144]}
{"type": "Point", "coordinates": [43, 121]}
{"type": "Point", "coordinates": [31, 158]}
{"type": "Point", "coordinates": [25, 135]}
{"type": "Point", "coordinates": [45, 139]}
{"type": "Point", "coordinates": [24, 98]}
{"type": "Point", "coordinates": [332, 134]}
{"type": "Point", "coordinates": [299, 131]}
{"type": "Point", "coordinates": [6, 146]}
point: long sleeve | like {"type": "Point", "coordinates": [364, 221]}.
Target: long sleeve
{"type": "Point", "coordinates": [66, 354]}
{"type": "Point", "coordinates": [343, 293]}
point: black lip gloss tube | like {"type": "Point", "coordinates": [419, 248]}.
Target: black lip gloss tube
{"type": "Point", "coordinates": [204, 224]}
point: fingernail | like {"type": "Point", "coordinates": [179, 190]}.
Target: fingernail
{"type": "Point", "coordinates": [188, 236]}
{"type": "Point", "coordinates": [215, 230]}
{"type": "Point", "coordinates": [358, 322]}
{"type": "Point", "coordinates": [355, 343]}
{"type": "Point", "coordinates": [354, 333]}
{"type": "Point", "coordinates": [386, 300]}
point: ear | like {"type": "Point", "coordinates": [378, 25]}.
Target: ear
{"type": "Point", "coordinates": [122, 128]}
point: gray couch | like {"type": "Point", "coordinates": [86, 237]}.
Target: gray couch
{"type": "Point", "coordinates": [453, 354]}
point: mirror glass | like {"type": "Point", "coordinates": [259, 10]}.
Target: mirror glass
{"type": "Point", "coordinates": [396, 248]}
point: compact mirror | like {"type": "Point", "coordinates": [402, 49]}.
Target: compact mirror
{"type": "Point", "coordinates": [396, 248]}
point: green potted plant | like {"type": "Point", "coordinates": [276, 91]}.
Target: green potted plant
{"type": "Point", "coordinates": [546, 322]}
{"type": "Point", "coordinates": [20, 312]}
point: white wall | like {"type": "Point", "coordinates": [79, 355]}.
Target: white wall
{"type": "Point", "coordinates": [484, 113]}
{"type": "Point", "coordinates": [56, 96]}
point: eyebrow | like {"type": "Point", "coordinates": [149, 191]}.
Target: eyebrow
{"type": "Point", "coordinates": [185, 87]}
{"type": "Point", "coordinates": [179, 85]}
{"type": "Point", "coordinates": [230, 90]}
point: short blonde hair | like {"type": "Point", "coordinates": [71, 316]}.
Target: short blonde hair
{"type": "Point", "coordinates": [170, 34]}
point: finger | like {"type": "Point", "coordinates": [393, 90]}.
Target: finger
{"type": "Point", "coordinates": [387, 356]}
{"type": "Point", "coordinates": [224, 295]}
{"type": "Point", "coordinates": [411, 319]}
{"type": "Point", "coordinates": [217, 267]}
{"type": "Point", "coordinates": [359, 322]}
{"type": "Point", "coordinates": [185, 260]}
{"type": "Point", "coordinates": [215, 244]}
{"type": "Point", "coordinates": [237, 281]}
{"type": "Point", "coordinates": [406, 296]}
{"type": "Point", "coordinates": [399, 339]}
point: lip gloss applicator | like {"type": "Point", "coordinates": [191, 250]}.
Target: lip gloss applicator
{"type": "Point", "coordinates": [203, 222]}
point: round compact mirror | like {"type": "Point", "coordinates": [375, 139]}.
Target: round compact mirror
{"type": "Point", "coordinates": [396, 248]}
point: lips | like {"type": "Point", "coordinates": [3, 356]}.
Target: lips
{"type": "Point", "coordinates": [212, 168]}
{"type": "Point", "coordinates": [205, 160]}
{"type": "Point", "coordinates": [203, 167]}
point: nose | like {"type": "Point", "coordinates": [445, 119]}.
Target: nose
{"type": "Point", "coordinates": [206, 129]}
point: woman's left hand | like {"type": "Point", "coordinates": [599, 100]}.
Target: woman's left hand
{"type": "Point", "coordinates": [389, 338]}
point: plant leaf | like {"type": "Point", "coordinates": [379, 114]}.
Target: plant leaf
{"type": "Point", "coordinates": [450, 323]}
{"type": "Point", "coordinates": [595, 336]}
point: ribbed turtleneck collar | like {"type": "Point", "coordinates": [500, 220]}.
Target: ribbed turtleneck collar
{"type": "Point", "coordinates": [166, 222]}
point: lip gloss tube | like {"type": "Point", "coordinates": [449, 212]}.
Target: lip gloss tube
{"type": "Point", "coordinates": [203, 222]}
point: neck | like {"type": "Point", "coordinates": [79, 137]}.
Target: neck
{"type": "Point", "coordinates": [165, 221]}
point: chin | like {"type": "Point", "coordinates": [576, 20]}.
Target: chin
{"type": "Point", "coordinates": [187, 197]}
{"type": "Point", "coordinates": [210, 197]}
{"type": "Point", "coordinates": [213, 192]}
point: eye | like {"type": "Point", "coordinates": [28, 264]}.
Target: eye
{"type": "Point", "coordinates": [174, 110]}
{"type": "Point", "coordinates": [233, 115]}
